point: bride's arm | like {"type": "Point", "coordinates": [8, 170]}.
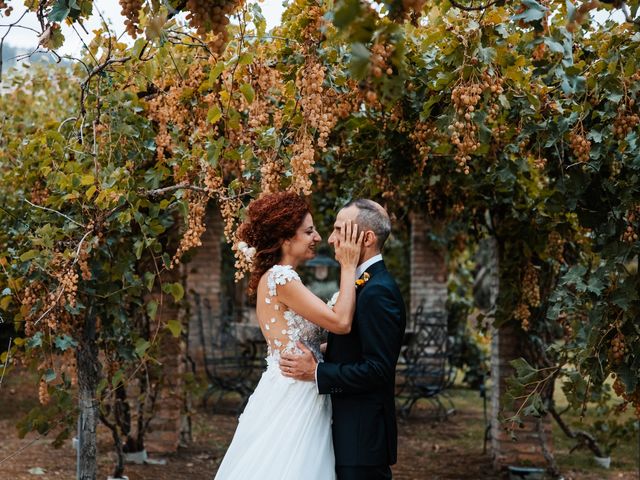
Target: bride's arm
{"type": "Point", "coordinates": [300, 299]}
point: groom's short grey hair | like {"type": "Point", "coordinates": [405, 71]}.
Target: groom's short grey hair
{"type": "Point", "coordinates": [371, 216]}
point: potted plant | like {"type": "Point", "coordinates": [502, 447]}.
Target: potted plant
{"type": "Point", "coordinates": [608, 433]}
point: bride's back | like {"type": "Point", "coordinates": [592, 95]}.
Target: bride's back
{"type": "Point", "coordinates": [282, 327]}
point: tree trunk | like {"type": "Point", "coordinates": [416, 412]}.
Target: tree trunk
{"type": "Point", "coordinates": [88, 375]}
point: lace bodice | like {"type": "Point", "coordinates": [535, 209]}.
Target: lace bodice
{"type": "Point", "coordinates": [283, 328]}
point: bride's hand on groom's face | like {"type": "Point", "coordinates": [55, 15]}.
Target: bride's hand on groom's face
{"type": "Point", "coordinates": [299, 366]}
{"type": "Point", "coordinates": [349, 244]}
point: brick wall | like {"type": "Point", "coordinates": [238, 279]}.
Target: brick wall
{"type": "Point", "coordinates": [165, 426]}
{"type": "Point", "coordinates": [526, 449]}
{"type": "Point", "coordinates": [203, 276]}
{"type": "Point", "coordinates": [428, 269]}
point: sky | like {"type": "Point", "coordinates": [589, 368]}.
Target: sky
{"type": "Point", "coordinates": [27, 40]}
{"type": "Point", "coordinates": [110, 9]}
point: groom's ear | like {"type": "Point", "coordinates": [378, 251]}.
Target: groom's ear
{"type": "Point", "coordinates": [369, 239]}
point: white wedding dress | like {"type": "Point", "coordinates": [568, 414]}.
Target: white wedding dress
{"type": "Point", "coordinates": [284, 432]}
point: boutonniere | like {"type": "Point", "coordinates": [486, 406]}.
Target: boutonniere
{"type": "Point", "coordinates": [363, 279]}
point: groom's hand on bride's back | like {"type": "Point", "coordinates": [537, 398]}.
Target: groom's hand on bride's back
{"type": "Point", "coordinates": [301, 366]}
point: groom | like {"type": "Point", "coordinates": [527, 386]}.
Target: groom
{"type": "Point", "coordinates": [359, 371]}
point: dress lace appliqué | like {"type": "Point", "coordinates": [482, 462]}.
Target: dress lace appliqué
{"type": "Point", "coordinates": [287, 327]}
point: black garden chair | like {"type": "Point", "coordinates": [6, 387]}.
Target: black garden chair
{"type": "Point", "coordinates": [426, 369]}
{"type": "Point", "coordinates": [229, 363]}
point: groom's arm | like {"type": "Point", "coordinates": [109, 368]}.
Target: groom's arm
{"type": "Point", "coordinates": [381, 328]}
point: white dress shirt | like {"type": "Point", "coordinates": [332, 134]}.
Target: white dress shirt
{"type": "Point", "coordinates": [363, 266]}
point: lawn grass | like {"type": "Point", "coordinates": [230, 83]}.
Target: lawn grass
{"type": "Point", "coordinates": [625, 456]}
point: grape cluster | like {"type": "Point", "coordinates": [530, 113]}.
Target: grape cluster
{"type": "Point", "coordinates": [302, 164]}
{"type": "Point", "coordinates": [463, 131]}
{"type": "Point", "coordinates": [464, 138]}
{"type": "Point", "coordinates": [616, 168]}
{"type": "Point", "coordinates": [29, 299]}
{"type": "Point", "coordinates": [271, 171]}
{"type": "Point", "coordinates": [320, 116]}
{"type": "Point", "coordinates": [379, 60]}
{"type": "Point", "coordinates": [581, 146]}
{"type": "Point", "coordinates": [212, 179]}
{"type": "Point", "coordinates": [384, 182]}
{"type": "Point", "coordinates": [539, 162]}
{"type": "Point", "coordinates": [312, 33]}
{"type": "Point", "coordinates": [68, 279]}
{"type": "Point", "coordinates": [630, 235]}
{"type": "Point", "coordinates": [633, 397]}
{"type": "Point", "coordinates": [465, 98]}
{"type": "Point", "coordinates": [242, 262]}
{"type": "Point", "coordinates": [212, 16]}
{"type": "Point", "coordinates": [83, 262]}
{"type": "Point", "coordinates": [52, 305]}
{"type": "Point", "coordinates": [618, 348]}
{"type": "Point", "coordinates": [626, 121]}
{"type": "Point", "coordinates": [130, 10]}
{"type": "Point", "coordinates": [195, 225]}
{"type": "Point", "coordinates": [522, 314]}
{"type": "Point", "coordinates": [530, 287]}
{"type": "Point", "coordinates": [371, 98]}
{"type": "Point", "coordinates": [495, 86]}
{"type": "Point", "coordinates": [555, 246]}
{"type": "Point", "coordinates": [43, 392]}
{"type": "Point", "coordinates": [229, 208]}
{"type": "Point", "coordinates": [421, 134]}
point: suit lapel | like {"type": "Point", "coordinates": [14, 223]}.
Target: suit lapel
{"type": "Point", "coordinates": [372, 271]}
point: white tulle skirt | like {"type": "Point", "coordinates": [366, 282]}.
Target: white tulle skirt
{"type": "Point", "coordinates": [284, 433]}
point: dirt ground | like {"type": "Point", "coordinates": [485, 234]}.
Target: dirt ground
{"type": "Point", "coordinates": [449, 450]}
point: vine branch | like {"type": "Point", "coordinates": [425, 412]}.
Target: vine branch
{"type": "Point", "coordinates": [54, 211]}
{"type": "Point", "coordinates": [470, 8]}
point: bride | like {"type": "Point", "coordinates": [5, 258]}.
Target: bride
{"type": "Point", "coordinates": [284, 432]}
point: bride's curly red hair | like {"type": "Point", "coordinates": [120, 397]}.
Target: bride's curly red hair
{"type": "Point", "coordinates": [271, 219]}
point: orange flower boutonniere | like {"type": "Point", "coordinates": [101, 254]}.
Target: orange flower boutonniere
{"type": "Point", "coordinates": [362, 280]}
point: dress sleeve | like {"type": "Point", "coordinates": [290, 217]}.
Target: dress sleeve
{"type": "Point", "coordinates": [280, 275]}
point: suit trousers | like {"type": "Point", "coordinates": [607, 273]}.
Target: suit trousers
{"type": "Point", "coordinates": [364, 473]}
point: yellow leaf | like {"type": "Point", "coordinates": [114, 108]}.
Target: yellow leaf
{"type": "Point", "coordinates": [86, 179]}
{"type": "Point", "coordinates": [514, 73]}
{"type": "Point", "coordinates": [4, 303]}
{"type": "Point", "coordinates": [90, 191]}
{"type": "Point", "coordinates": [494, 16]}
{"type": "Point", "coordinates": [175, 327]}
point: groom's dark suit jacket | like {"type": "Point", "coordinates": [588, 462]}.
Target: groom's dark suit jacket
{"type": "Point", "coordinates": [359, 373]}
